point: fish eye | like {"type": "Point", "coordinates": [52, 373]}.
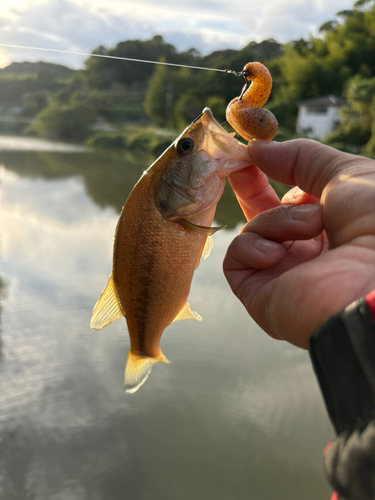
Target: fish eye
{"type": "Point", "coordinates": [185, 145]}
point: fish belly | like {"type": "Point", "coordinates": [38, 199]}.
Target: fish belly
{"type": "Point", "coordinates": [154, 262]}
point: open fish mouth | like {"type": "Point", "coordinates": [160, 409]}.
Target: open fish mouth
{"type": "Point", "coordinates": [220, 146]}
{"type": "Point", "coordinates": [221, 138]}
{"type": "Point", "coordinates": [208, 120]}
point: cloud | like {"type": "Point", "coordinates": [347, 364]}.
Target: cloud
{"type": "Point", "coordinates": [80, 25]}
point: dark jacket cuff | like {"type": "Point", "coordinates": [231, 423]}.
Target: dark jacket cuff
{"type": "Point", "coordinates": [343, 355]}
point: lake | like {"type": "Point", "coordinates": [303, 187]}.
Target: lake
{"type": "Point", "coordinates": [235, 416]}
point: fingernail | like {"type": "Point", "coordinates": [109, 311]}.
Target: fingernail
{"type": "Point", "coordinates": [263, 142]}
{"type": "Point", "coordinates": [266, 246]}
{"type": "Point", "coordinates": [304, 212]}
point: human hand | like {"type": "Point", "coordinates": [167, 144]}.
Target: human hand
{"type": "Point", "coordinates": [298, 262]}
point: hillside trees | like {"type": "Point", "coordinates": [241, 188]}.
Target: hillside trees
{"type": "Point", "coordinates": [70, 114]}
{"type": "Point", "coordinates": [356, 133]}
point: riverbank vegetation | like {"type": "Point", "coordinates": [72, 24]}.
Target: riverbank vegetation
{"type": "Point", "coordinates": [121, 104]}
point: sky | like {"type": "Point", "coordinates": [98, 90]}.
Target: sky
{"type": "Point", "coordinates": [207, 25]}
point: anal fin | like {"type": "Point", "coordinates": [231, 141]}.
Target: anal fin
{"type": "Point", "coordinates": [108, 307]}
{"type": "Point", "coordinates": [187, 313]}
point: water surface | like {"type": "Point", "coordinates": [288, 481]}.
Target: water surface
{"type": "Point", "coordinates": [236, 415]}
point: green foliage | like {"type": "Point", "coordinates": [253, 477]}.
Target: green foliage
{"type": "Point", "coordinates": [323, 65]}
{"type": "Point", "coordinates": [70, 122]}
{"type": "Point", "coordinates": [328, 26]}
{"type": "Point", "coordinates": [14, 87]}
{"type": "Point", "coordinates": [102, 73]}
{"type": "Point", "coordinates": [155, 103]}
{"type": "Point", "coordinates": [146, 139]}
{"type": "Point", "coordinates": [356, 133]}
{"type": "Point", "coordinates": [33, 102]}
{"type": "Point", "coordinates": [360, 3]}
{"type": "Point", "coordinates": [19, 79]}
{"type": "Point", "coordinates": [39, 69]}
{"type": "Point", "coordinates": [186, 109]}
{"type": "Point", "coordinates": [217, 105]}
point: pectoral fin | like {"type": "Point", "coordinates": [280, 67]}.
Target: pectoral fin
{"type": "Point", "coordinates": [207, 247]}
{"type": "Point", "coordinates": [205, 231]}
{"type": "Point", "coordinates": [108, 307]}
{"type": "Point", "coordinates": [187, 313]}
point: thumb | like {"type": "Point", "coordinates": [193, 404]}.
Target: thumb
{"type": "Point", "coordinates": [301, 162]}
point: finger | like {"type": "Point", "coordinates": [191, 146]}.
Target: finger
{"type": "Point", "coordinates": [301, 162]}
{"type": "Point", "coordinates": [249, 250]}
{"type": "Point", "coordinates": [288, 222]}
{"type": "Point", "coordinates": [253, 191]}
{"type": "Point", "coordinates": [296, 196]}
{"type": "Point", "coordinates": [259, 247]}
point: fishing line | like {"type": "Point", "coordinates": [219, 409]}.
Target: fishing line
{"type": "Point", "coordinates": [229, 71]}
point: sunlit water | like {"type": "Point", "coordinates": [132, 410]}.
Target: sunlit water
{"type": "Point", "coordinates": [236, 415]}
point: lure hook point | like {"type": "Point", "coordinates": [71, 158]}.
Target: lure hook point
{"type": "Point", "coordinates": [245, 87]}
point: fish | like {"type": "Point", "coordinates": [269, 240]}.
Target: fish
{"type": "Point", "coordinates": [163, 231]}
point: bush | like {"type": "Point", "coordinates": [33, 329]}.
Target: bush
{"type": "Point", "coordinates": [69, 122]}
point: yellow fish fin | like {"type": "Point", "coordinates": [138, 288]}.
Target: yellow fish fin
{"type": "Point", "coordinates": [138, 369]}
{"type": "Point", "coordinates": [204, 250]}
{"type": "Point", "coordinates": [207, 247]}
{"type": "Point", "coordinates": [205, 231]}
{"type": "Point", "coordinates": [108, 307]}
{"type": "Point", "coordinates": [232, 134]}
{"type": "Point", "coordinates": [187, 313]}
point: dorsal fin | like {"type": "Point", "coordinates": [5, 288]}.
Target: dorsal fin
{"type": "Point", "coordinates": [108, 307]}
{"type": "Point", "coordinates": [187, 313]}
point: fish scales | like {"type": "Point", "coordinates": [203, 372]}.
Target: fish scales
{"type": "Point", "coordinates": [155, 271]}
{"type": "Point", "coordinates": [163, 229]}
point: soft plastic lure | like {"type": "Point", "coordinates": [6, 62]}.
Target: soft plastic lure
{"type": "Point", "coordinates": [245, 113]}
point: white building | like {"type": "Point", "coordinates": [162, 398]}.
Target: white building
{"type": "Point", "coordinates": [317, 117]}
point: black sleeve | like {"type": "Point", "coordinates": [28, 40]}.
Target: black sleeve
{"type": "Point", "coordinates": [343, 356]}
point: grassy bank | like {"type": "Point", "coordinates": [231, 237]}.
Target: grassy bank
{"type": "Point", "coordinates": [145, 138]}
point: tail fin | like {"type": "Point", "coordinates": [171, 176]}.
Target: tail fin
{"type": "Point", "coordinates": [138, 369]}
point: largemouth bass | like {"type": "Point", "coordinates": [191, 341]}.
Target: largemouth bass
{"type": "Point", "coordinates": [163, 230]}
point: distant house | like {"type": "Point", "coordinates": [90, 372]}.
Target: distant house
{"type": "Point", "coordinates": [317, 117]}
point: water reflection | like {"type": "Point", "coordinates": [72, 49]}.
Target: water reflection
{"type": "Point", "coordinates": [235, 415]}
{"type": "Point", "coordinates": [3, 294]}
{"type": "Point", "coordinates": [109, 176]}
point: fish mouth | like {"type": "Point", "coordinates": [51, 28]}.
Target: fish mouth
{"type": "Point", "coordinates": [207, 117]}
{"type": "Point", "coordinates": [216, 133]}
{"type": "Point", "coordinates": [230, 154]}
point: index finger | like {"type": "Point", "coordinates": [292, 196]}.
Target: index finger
{"type": "Point", "coordinates": [253, 191]}
{"type": "Point", "coordinates": [305, 163]}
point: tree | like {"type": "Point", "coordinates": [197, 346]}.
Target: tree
{"type": "Point", "coordinates": [33, 102]}
{"type": "Point", "coordinates": [156, 96]}
{"type": "Point", "coordinates": [70, 122]}
{"type": "Point", "coordinates": [356, 132]}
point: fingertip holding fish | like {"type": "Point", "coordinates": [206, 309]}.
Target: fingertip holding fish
{"type": "Point", "coordinates": [245, 113]}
